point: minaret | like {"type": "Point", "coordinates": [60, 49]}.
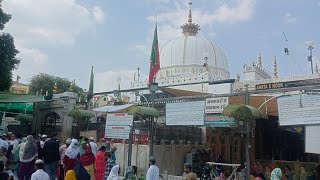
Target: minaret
{"type": "Point", "coordinates": [260, 60]}
{"type": "Point", "coordinates": [275, 68]}
{"type": "Point", "coordinates": [190, 28]}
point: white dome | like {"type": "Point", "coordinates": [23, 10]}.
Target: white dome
{"type": "Point", "coordinates": [192, 50]}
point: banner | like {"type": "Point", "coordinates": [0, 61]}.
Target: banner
{"type": "Point", "coordinates": [216, 120]}
{"type": "Point", "coordinates": [118, 126]}
{"type": "Point", "coordinates": [299, 109]}
{"type": "Point", "coordinates": [185, 113]}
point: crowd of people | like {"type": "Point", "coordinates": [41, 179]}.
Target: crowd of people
{"type": "Point", "coordinates": [40, 157]}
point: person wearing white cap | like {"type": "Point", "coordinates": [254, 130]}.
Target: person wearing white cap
{"type": "Point", "coordinates": [3, 142]}
{"type": "Point", "coordinates": [39, 174]}
{"type": "Point", "coordinates": [94, 146]}
{"type": "Point", "coordinates": [153, 171]}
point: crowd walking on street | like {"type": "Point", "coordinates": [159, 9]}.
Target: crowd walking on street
{"type": "Point", "coordinates": [40, 157]}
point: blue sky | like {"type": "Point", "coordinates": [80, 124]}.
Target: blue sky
{"type": "Point", "coordinates": [66, 37]}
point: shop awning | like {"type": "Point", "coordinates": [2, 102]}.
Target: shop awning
{"type": "Point", "coordinates": [144, 111]}
{"type": "Point", "coordinates": [243, 112]}
{"type": "Point", "coordinates": [80, 113]}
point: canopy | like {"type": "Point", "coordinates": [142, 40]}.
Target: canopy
{"type": "Point", "coordinates": [108, 109]}
{"type": "Point", "coordinates": [144, 111]}
{"type": "Point", "coordinates": [243, 112]}
{"type": "Point", "coordinates": [76, 113]}
{"type": "Point", "coordinates": [19, 98]}
{"type": "Point", "coordinates": [17, 106]}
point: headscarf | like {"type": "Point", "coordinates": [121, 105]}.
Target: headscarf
{"type": "Point", "coordinates": [82, 151]}
{"type": "Point", "coordinates": [114, 173]}
{"type": "Point", "coordinates": [70, 175]}
{"type": "Point", "coordinates": [88, 157]}
{"type": "Point", "coordinates": [30, 151]}
{"type": "Point", "coordinates": [276, 174]}
{"type": "Point", "coordinates": [129, 173]}
{"type": "Point", "coordinates": [73, 150]}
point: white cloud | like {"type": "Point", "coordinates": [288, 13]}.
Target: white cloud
{"type": "Point", "coordinates": [98, 14]}
{"type": "Point", "coordinates": [289, 18]}
{"type": "Point", "coordinates": [36, 24]}
{"type": "Point", "coordinates": [108, 80]}
{"type": "Point", "coordinates": [53, 21]}
{"type": "Point", "coordinates": [33, 61]}
{"type": "Point", "coordinates": [228, 13]}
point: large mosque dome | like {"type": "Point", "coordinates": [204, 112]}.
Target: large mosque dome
{"type": "Point", "coordinates": [191, 59]}
{"type": "Point", "coordinates": [192, 50]}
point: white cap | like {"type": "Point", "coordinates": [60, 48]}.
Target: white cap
{"type": "Point", "coordinates": [39, 161]}
{"type": "Point", "coordinates": [44, 136]}
{"type": "Point", "coordinates": [68, 141]}
{"type": "Point", "coordinates": [91, 138]}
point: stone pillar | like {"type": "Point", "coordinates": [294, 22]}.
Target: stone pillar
{"type": "Point", "coordinates": [67, 121]}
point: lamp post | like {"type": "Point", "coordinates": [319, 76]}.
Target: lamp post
{"type": "Point", "coordinates": [153, 87]}
{"type": "Point", "coordinates": [247, 140]}
{"type": "Point", "coordinates": [310, 45]}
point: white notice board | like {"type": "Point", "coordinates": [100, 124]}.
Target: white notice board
{"type": "Point", "coordinates": [118, 126]}
{"type": "Point", "coordinates": [216, 105]}
{"type": "Point", "coordinates": [300, 109]}
{"type": "Point", "coordinates": [312, 142]}
{"type": "Point", "coordinates": [185, 113]}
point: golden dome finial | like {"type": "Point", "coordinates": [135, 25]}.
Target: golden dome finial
{"type": "Point", "coordinates": [275, 68]}
{"type": "Point", "coordinates": [260, 60]}
{"type": "Point", "coordinates": [190, 28]}
{"type": "Point", "coordinates": [190, 12]}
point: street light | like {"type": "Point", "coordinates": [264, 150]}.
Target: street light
{"type": "Point", "coordinates": [310, 45]}
{"type": "Point", "coordinates": [153, 87]}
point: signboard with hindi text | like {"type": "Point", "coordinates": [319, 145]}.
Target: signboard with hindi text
{"type": "Point", "coordinates": [217, 120]}
{"type": "Point", "coordinates": [299, 109]}
{"type": "Point", "coordinates": [118, 126]}
{"type": "Point", "coordinates": [216, 105]}
{"type": "Point", "coordinates": [185, 113]}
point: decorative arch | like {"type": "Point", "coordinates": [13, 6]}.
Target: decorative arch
{"type": "Point", "coordinates": [51, 120]}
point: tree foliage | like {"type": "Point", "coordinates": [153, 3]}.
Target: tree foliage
{"type": "Point", "coordinates": [8, 52]}
{"type": "Point", "coordinates": [43, 83]}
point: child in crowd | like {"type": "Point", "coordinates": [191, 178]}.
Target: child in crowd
{"type": "Point", "coordinates": [3, 157]}
{"type": "Point", "coordinates": [9, 167]}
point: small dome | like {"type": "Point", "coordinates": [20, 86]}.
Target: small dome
{"type": "Point", "coordinates": [192, 50]}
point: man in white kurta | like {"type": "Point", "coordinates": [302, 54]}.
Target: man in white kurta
{"type": "Point", "coordinates": [40, 174]}
{"type": "Point", "coordinates": [153, 171]}
{"type": "Point", "coordinates": [94, 146]}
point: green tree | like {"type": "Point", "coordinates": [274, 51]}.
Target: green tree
{"type": "Point", "coordinates": [43, 83]}
{"type": "Point", "coordinates": [8, 52]}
